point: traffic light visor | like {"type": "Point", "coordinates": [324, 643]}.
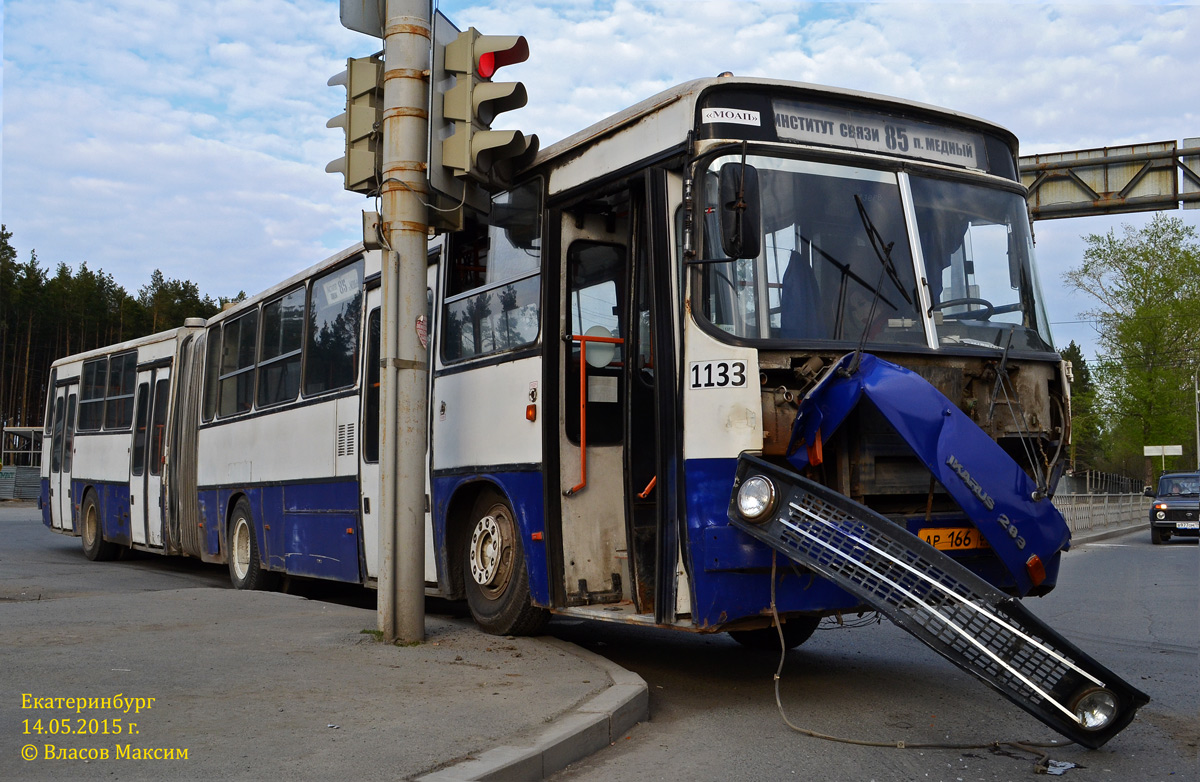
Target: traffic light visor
{"type": "Point", "coordinates": [493, 52]}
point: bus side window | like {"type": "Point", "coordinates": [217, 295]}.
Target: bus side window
{"type": "Point", "coordinates": [69, 434]}
{"type": "Point", "coordinates": [279, 355]}
{"type": "Point", "coordinates": [237, 364]}
{"type": "Point", "coordinates": [118, 404]}
{"type": "Point", "coordinates": [50, 402]}
{"type": "Point", "coordinates": [493, 296]}
{"type": "Point", "coordinates": [91, 400]}
{"type": "Point", "coordinates": [158, 425]}
{"type": "Point", "coordinates": [331, 350]}
{"type": "Point", "coordinates": [56, 449]}
{"type": "Point", "coordinates": [138, 459]}
{"type": "Point", "coordinates": [212, 371]}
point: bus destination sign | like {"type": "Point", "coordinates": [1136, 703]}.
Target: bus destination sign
{"type": "Point", "coordinates": [871, 131]}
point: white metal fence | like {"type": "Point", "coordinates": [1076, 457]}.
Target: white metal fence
{"type": "Point", "coordinates": [1098, 511]}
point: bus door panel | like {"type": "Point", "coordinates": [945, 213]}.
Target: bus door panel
{"type": "Point", "coordinates": [137, 458]}
{"type": "Point", "coordinates": [61, 457]}
{"type": "Point", "coordinates": [592, 399]}
{"type": "Point", "coordinates": [431, 276]}
{"type": "Point", "coordinates": [368, 457]}
{"type": "Point", "coordinates": [153, 508]}
{"type": "Point", "coordinates": [652, 426]}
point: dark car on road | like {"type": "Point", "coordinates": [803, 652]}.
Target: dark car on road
{"type": "Point", "coordinates": [1176, 508]}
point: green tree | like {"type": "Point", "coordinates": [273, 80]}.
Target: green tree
{"type": "Point", "coordinates": [1087, 448]}
{"type": "Point", "coordinates": [1147, 284]}
{"type": "Point", "coordinates": [169, 302]}
{"type": "Point", "coordinates": [8, 285]}
{"type": "Point", "coordinates": [44, 317]}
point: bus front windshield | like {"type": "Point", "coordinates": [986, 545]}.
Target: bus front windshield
{"type": "Point", "coordinates": [836, 264]}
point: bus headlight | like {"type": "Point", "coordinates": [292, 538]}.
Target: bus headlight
{"type": "Point", "coordinates": [756, 498]}
{"type": "Point", "coordinates": [1095, 708]}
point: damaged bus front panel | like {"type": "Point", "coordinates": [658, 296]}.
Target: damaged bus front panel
{"type": "Point", "coordinates": [881, 285]}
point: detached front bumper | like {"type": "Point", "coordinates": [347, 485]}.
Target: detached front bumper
{"type": "Point", "coordinates": [941, 603]}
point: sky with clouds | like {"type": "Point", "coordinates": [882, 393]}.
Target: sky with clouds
{"type": "Point", "coordinates": [191, 138]}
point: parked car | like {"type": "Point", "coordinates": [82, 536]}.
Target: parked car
{"type": "Point", "coordinates": [1176, 508]}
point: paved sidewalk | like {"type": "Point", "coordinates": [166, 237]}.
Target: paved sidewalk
{"type": "Point", "coordinates": [1080, 537]}
{"type": "Point", "coordinates": [266, 685]}
{"type": "Point", "coordinates": [262, 685]}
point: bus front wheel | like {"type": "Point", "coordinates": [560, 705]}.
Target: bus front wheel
{"type": "Point", "coordinates": [95, 547]}
{"type": "Point", "coordinates": [496, 576]}
{"type": "Point", "coordinates": [245, 568]}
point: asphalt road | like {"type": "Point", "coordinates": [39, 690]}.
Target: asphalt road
{"type": "Point", "coordinates": [1131, 605]}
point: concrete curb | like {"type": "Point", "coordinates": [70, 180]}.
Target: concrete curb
{"type": "Point", "coordinates": [594, 724]}
{"type": "Point", "coordinates": [1091, 536]}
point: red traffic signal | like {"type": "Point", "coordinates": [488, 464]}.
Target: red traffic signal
{"type": "Point", "coordinates": [483, 55]}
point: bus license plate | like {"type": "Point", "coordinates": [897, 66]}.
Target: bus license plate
{"type": "Point", "coordinates": [1187, 525]}
{"type": "Point", "coordinates": [953, 538]}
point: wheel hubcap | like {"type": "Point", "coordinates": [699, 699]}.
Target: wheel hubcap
{"type": "Point", "coordinates": [241, 548]}
{"type": "Point", "coordinates": [490, 553]}
{"type": "Point", "coordinates": [89, 526]}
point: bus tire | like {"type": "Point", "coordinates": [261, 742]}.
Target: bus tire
{"type": "Point", "coordinates": [796, 631]}
{"type": "Point", "coordinates": [495, 573]}
{"type": "Point", "coordinates": [95, 547]}
{"type": "Point", "coordinates": [245, 567]}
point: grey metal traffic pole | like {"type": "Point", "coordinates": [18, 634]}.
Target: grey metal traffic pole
{"type": "Point", "coordinates": [405, 369]}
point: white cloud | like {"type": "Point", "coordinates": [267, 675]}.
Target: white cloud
{"type": "Point", "coordinates": [191, 137]}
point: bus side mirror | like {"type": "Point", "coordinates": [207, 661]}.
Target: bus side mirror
{"type": "Point", "coordinates": [741, 210]}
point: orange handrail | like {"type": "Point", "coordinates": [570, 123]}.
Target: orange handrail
{"type": "Point", "coordinates": [583, 340]}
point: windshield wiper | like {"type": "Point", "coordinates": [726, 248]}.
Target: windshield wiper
{"type": "Point", "coordinates": [883, 251]}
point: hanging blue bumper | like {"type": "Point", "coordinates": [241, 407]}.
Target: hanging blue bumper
{"type": "Point", "coordinates": [1023, 527]}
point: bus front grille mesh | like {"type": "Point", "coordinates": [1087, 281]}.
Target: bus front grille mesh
{"type": "Point", "coordinates": [939, 601]}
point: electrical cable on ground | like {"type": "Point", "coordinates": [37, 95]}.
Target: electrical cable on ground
{"type": "Point", "coordinates": [1041, 763]}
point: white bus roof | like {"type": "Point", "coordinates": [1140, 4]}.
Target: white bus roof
{"type": "Point", "coordinates": [292, 281]}
{"type": "Point", "coordinates": [170, 335]}
{"type": "Point", "coordinates": [680, 102]}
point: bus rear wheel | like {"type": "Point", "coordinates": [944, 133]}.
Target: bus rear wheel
{"type": "Point", "coordinates": [495, 574]}
{"type": "Point", "coordinates": [245, 567]}
{"type": "Point", "coordinates": [796, 631]}
{"type": "Point", "coordinates": [95, 547]}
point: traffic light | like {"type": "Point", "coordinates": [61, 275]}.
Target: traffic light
{"type": "Point", "coordinates": [464, 103]}
{"type": "Point", "coordinates": [361, 165]}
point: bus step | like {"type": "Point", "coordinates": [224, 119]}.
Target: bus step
{"type": "Point", "coordinates": [947, 607]}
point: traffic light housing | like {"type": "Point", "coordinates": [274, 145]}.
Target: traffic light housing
{"type": "Point", "coordinates": [465, 101]}
{"type": "Point", "coordinates": [362, 123]}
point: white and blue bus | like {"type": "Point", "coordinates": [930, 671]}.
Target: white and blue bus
{"type": "Point", "coordinates": [674, 324]}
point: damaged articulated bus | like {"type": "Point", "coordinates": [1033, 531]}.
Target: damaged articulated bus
{"type": "Point", "coordinates": [745, 355]}
{"type": "Point", "coordinates": [831, 346]}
